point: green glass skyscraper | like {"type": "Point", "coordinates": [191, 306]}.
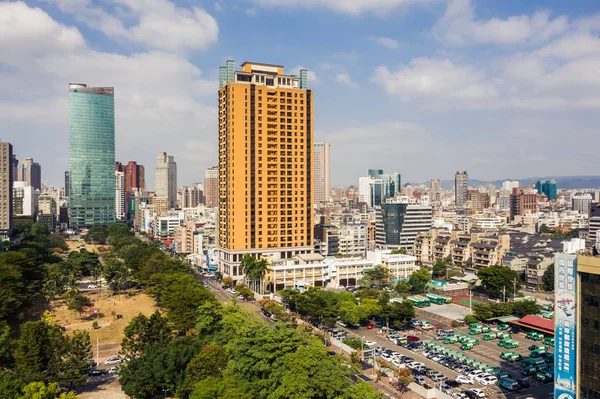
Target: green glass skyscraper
{"type": "Point", "coordinates": [91, 156]}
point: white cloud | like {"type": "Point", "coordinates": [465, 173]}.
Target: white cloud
{"type": "Point", "coordinates": [385, 42]}
{"type": "Point", "coordinates": [572, 46]}
{"type": "Point", "coordinates": [345, 79]}
{"type": "Point", "coordinates": [426, 77]}
{"type": "Point", "coordinates": [158, 96]}
{"type": "Point", "coordinates": [459, 27]}
{"type": "Point", "coordinates": [312, 76]}
{"type": "Point", "coordinates": [353, 7]}
{"type": "Point", "coordinates": [40, 35]}
{"type": "Point", "coordinates": [160, 24]}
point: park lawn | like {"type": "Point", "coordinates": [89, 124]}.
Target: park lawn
{"type": "Point", "coordinates": [110, 333]}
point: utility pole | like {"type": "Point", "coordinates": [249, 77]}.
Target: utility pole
{"type": "Point", "coordinates": [515, 289]}
{"type": "Point", "coordinates": [98, 350]}
{"type": "Point", "coordinates": [470, 302]}
{"type": "Point", "coordinates": [504, 294]}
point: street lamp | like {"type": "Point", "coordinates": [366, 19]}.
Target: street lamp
{"type": "Point", "coordinates": [165, 390]}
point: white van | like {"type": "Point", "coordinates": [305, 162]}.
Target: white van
{"type": "Point", "coordinates": [442, 334]}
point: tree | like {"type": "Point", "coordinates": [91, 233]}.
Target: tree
{"type": "Point", "coordinates": [254, 271]}
{"type": "Point", "coordinates": [96, 235]}
{"type": "Point", "coordinates": [401, 251]}
{"type": "Point", "coordinates": [6, 357]}
{"type": "Point", "coordinates": [228, 282]}
{"type": "Point", "coordinates": [403, 287]}
{"type": "Point", "coordinates": [179, 295]}
{"type": "Point", "coordinates": [499, 279]}
{"type": "Point", "coordinates": [143, 332]}
{"type": "Point", "coordinates": [350, 312]}
{"type": "Point", "coordinates": [369, 307]}
{"type": "Point", "coordinates": [243, 290]}
{"type": "Point", "coordinates": [419, 280]}
{"type": "Point", "coordinates": [211, 361]}
{"type": "Point", "coordinates": [74, 361]}
{"type": "Point", "coordinates": [35, 348]}
{"type": "Point", "coordinates": [548, 278]}
{"type": "Point", "coordinates": [39, 390]}
{"type": "Point", "coordinates": [404, 376]}
{"type": "Point", "coordinates": [14, 294]}
{"type": "Point", "coordinates": [161, 366]}
{"type": "Point", "coordinates": [469, 319]}
{"type": "Point", "coordinates": [78, 302]}
{"type": "Point", "coordinates": [377, 276]}
{"type": "Point", "coordinates": [116, 273]}
{"type": "Point", "coordinates": [439, 269]}
{"type": "Point", "coordinates": [522, 308]}
{"type": "Point", "coordinates": [401, 312]}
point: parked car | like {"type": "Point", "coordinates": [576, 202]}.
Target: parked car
{"type": "Point", "coordinates": [419, 379]}
{"type": "Point", "coordinates": [480, 393]}
{"type": "Point", "coordinates": [370, 326]}
{"type": "Point", "coordinates": [341, 323]}
{"type": "Point", "coordinates": [524, 383]}
{"type": "Point", "coordinates": [92, 286]}
{"type": "Point", "coordinates": [489, 380]}
{"type": "Point", "coordinates": [412, 338]}
{"type": "Point", "coordinates": [96, 372]}
{"type": "Point", "coordinates": [112, 361]}
{"type": "Point", "coordinates": [463, 379]}
{"type": "Point", "coordinates": [460, 395]}
{"type": "Point", "coordinates": [453, 383]}
{"type": "Point", "coordinates": [113, 370]}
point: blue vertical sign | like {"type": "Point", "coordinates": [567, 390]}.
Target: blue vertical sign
{"type": "Point", "coordinates": [565, 351]}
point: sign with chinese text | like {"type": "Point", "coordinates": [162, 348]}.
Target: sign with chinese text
{"type": "Point", "coordinates": [565, 351]}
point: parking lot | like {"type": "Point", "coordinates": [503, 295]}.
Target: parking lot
{"type": "Point", "coordinates": [487, 352]}
{"type": "Point", "coordinates": [450, 311]}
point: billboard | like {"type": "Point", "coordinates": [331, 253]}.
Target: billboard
{"type": "Point", "coordinates": [565, 351]}
{"type": "Point", "coordinates": [213, 257]}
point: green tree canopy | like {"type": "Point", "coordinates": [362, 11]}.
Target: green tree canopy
{"type": "Point", "coordinates": [419, 280]}
{"type": "Point", "coordinates": [179, 295]}
{"type": "Point", "coordinates": [143, 332]}
{"type": "Point", "coordinates": [548, 278]}
{"type": "Point", "coordinates": [496, 279]}
{"type": "Point", "coordinates": [439, 269]}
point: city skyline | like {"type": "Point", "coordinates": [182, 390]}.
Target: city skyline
{"type": "Point", "coordinates": [464, 107]}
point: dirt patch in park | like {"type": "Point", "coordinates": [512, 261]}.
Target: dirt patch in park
{"type": "Point", "coordinates": [106, 308]}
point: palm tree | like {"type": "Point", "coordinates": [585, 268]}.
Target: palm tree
{"type": "Point", "coordinates": [261, 267]}
{"type": "Point", "coordinates": [255, 271]}
{"type": "Point", "coordinates": [247, 266]}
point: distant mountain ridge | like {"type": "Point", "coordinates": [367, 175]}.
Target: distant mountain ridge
{"type": "Point", "coordinates": [562, 182]}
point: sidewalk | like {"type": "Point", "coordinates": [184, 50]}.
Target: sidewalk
{"type": "Point", "coordinates": [390, 392]}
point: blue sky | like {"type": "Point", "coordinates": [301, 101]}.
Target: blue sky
{"type": "Point", "coordinates": [422, 87]}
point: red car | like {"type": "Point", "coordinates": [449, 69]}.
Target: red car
{"type": "Point", "coordinates": [412, 338]}
{"type": "Point", "coordinates": [369, 326]}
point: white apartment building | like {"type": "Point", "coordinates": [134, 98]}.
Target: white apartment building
{"type": "Point", "coordinates": [321, 172]}
{"type": "Point", "coordinates": [308, 270]}
{"type": "Point", "coordinates": [166, 178]}
{"type": "Point", "coordinates": [119, 195]}
{"type": "Point", "coordinates": [25, 199]}
{"type": "Point", "coordinates": [581, 203]}
{"type": "Point", "coordinates": [488, 222]}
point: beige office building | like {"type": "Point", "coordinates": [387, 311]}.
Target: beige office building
{"type": "Point", "coordinates": [6, 189]}
{"type": "Point", "coordinates": [265, 164]}
{"type": "Point", "coordinates": [322, 185]}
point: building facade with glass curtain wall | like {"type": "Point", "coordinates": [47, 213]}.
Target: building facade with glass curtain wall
{"type": "Point", "coordinates": [91, 156]}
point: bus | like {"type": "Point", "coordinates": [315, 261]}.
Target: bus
{"type": "Point", "coordinates": [439, 299]}
{"type": "Point", "coordinates": [419, 301]}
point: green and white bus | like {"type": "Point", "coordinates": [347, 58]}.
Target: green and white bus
{"type": "Point", "coordinates": [439, 299]}
{"type": "Point", "coordinates": [419, 301]}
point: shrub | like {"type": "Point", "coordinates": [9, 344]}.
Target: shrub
{"type": "Point", "coordinates": [95, 325]}
{"type": "Point", "coordinates": [470, 319]}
